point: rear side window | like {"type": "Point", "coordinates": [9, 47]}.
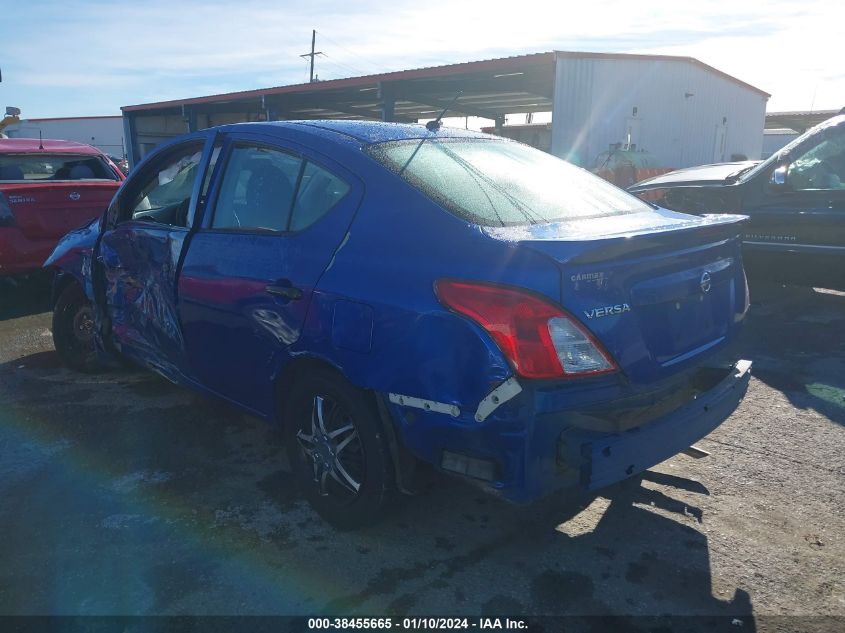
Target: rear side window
{"type": "Point", "coordinates": [501, 183]}
{"type": "Point", "coordinates": [47, 167]}
{"type": "Point", "coordinates": [270, 190]}
{"type": "Point", "coordinates": [319, 191]}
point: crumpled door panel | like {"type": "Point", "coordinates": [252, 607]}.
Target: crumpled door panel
{"type": "Point", "coordinates": [139, 267]}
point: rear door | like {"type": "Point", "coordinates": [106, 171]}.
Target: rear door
{"type": "Point", "coordinates": [140, 250]}
{"type": "Point", "coordinates": [279, 213]}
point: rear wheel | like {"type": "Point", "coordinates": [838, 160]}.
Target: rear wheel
{"type": "Point", "coordinates": [73, 330]}
{"type": "Point", "coordinates": [337, 450]}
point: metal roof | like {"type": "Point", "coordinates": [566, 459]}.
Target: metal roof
{"type": "Point", "coordinates": [490, 88]}
{"type": "Point", "coordinates": [71, 118]}
{"type": "Point", "coordinates": [798, 120]}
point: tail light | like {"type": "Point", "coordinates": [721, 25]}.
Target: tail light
{"type": "Point", "coordinates": [539, 339]}
{"type": "Point", "coordinates": [7, 218]}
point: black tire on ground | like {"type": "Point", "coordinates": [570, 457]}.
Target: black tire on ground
{"type": "Point", "coordinates": [73, 330]}
{"type": "Point", "coordinates": [338, 451]}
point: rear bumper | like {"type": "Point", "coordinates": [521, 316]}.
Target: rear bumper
{"type": "Point", "coordinates": [607, 459]}
{"type": "Point", "coordinates": [529, 451]}
{"type": "Point", "coordinates": [19, 254]}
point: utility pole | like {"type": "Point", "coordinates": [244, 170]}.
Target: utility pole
{"type": "Point", "coordinates": [312, 54]}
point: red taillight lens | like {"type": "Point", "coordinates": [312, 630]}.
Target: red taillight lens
{"type": "Point", "coordinates": [527, 329]}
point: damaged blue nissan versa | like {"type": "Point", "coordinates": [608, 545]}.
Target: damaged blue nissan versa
{"type": "Point", "coordinates": [403, 294]}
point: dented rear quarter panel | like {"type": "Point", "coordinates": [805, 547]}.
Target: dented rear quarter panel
{"type": "Point", "coordinates": [396, 248]}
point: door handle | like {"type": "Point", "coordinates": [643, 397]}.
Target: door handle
{"type": "Point", "coordinates": [285, 292]}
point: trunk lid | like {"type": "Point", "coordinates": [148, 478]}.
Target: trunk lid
{"type": "Point", "coordinates": [657, 289]}
{"type": "Point", "coordinates": [49, 211]}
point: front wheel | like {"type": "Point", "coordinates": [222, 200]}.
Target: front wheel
{"type": "Point", "coordinates": [337, 450]}
{"type": "Point", "coordinates": [73, 330]}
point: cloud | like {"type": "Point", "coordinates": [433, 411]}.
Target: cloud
{"type": "Point", "coordinates": [72, 54]}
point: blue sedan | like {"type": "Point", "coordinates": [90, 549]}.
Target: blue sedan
{"type": "Point", "coordinates": [397, 295]}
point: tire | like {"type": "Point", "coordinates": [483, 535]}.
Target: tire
{"type": "Point", "coordinates": [346, 476]}
{"type": "Point", "coordinates": [73, 330]}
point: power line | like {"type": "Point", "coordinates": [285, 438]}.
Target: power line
{"type": "Point", "coordinates": [345, 66]}
{"type": "Point", "coordinates": [342, 69]}
{"type": "Point", "coordinates": [378, 68]}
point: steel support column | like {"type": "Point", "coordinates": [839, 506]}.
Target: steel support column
{"type": "Point", "coordinates": [388, 101]}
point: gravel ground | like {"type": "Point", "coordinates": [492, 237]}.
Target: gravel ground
{"type": "Point", "coordinates": [123, 494]}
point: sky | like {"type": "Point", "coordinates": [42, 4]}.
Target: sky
{"type": "Point", "coordinates": [87, 57]}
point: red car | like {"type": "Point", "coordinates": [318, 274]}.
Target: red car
{"type": "Point", "coordinates": [48, 188]}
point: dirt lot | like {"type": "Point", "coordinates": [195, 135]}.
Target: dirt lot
{"type": "Point", "coordinates": [123, 494]}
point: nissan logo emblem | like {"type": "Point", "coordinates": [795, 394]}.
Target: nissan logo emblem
{"type": "Point", "coordinates": [74, 195]}
{"type": "Point", "coordinates": [705, 282]}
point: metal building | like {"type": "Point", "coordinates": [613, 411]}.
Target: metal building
{"type": "Point", "coordinates": [103, 132]}
{"type": "Point", "coordinates": [680, 110]}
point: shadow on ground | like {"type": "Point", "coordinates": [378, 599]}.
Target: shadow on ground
{"type": "Point", "coordinates": [22, 296]}
{"type": "Point", "coordinates": [124, 494]}
{"type": "Point", "coordinates": [796, 337]}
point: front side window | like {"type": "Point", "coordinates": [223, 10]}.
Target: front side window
{"type": "Point", "coordinates": [49, 167]}
{"type": "Point", "coordinates": [501, 183]}
{"type": "Point", "coordinates": [823, 166]}
{"type": "Point", "coordinates": [166, 196]}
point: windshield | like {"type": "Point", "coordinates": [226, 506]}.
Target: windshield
{"type": "Point", "coordinates": [44, 167]}
{"type": "Point", "coordinates": [774, 158]}
{"type": "Point", "coordinates": [502, 183]}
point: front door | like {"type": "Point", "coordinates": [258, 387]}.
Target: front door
{"type": "Point", "coordinates": [138, 256]}
{"type": "Point", "coordinates": [279, 213]}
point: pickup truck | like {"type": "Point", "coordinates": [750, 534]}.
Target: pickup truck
{"type": "Point", "coordinates": [795, 201]}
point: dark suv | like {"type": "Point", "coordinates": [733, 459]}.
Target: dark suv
{"type": "Point", "coordinates": [795, 199]}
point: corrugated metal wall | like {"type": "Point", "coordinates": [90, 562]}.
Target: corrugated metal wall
{"type": "Point", "coordinates": [153, 130]}
{"type": "Point", "coordinates": [105, 133]}
{"type": "Point", "coordinates": [685, 115]}
{"type": "Point", "coordinates": [773, 141]}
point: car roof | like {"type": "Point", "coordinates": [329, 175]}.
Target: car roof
{"type": "Point", "coordinates": [368, 132]}
{"type": "Point", "coordinates": [51, 146]}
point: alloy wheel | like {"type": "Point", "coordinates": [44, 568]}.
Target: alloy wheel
{"type": "Point", "coordinates": [334, 449]}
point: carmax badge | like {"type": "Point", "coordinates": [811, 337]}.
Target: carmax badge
{"type": "Point", "coordinates": [596, 313]}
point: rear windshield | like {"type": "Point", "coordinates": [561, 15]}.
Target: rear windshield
{"type": "Point", "coordinates": [40, 167]}
{"type": "Point", "coordinates": [502, 183]}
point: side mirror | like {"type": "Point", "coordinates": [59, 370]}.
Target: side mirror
{"type": "Point", "coordinates": [778, 179]}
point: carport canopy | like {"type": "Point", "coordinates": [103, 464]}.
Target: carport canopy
{"type": "Point", "coordinates": [800, 121]}
{"type": "Point", "coordinates": [489, 89]}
